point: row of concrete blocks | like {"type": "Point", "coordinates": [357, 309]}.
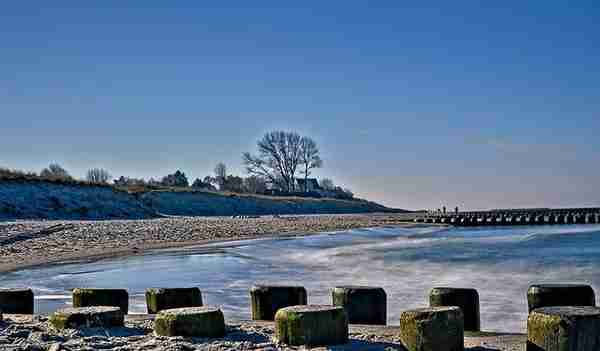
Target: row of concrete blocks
{"type": "Point", "coordinates": [466, 221]}
{"type": "Point", "coordinates": [452, 311]}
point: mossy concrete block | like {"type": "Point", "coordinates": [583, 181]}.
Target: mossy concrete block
{"type": "Point", "coordinates": [466, 299]}
{"type": "Point", "coordinates": [88, 317]}
{"type": "Point", "coordinates": [311, 325]}
{"type": "Point", "coordinates": [165, 299]}
{"type": "Point", "coordinates": [268, 299]}
{"type": "Point", "coordinates": [101, 297]}
{"type": "Point", "coordinates": [564, 328]}
{"type": "Point", "coordinates": [204, 321]}
{"type": "Point", "coordinates": [432, 329]}
{"type": "Point", "coordinates": [363, 304]}
{"type": "Point", "coordinates": [545, 295]}
{"type": "Point", "coordinates": [16, 301]}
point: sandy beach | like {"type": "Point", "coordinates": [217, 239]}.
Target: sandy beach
{"type": "Point", "coordinates": [27, 333]}
{"type": "Point", "coordinates": [29, 243]}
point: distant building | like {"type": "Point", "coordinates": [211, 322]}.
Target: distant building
{"type": "Point", "coordinates": [312, 185]}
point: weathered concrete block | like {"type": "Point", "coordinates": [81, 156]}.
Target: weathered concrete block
{"type": "Point", "coordinates": [432, 329]}
{"type": "Point", "coordinates": [363, 304]}
{"type": "Point", "coordinates": [564, 328]}
{"type": "Point", "coordinates": [16, 301]}
{"type": "Point", "coordinates": [466, 299]}
{"type": "Point", "coordinates": [98, 316]}
{"type": "Point", "coordinates": [165, 299]}
{"type": "Point", "coordinates": [544, 295]}
{"type": "Point", "coordinates": [205, 322]}
{"type": "Point", "coordinates": [101, 297]}
{"type": "Point", "coordinates": [268, 299]}
{"type": "Point", "coordinates": [311, 325]}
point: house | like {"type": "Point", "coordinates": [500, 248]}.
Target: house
{"type": "Point", "coordinates": [308, 185]}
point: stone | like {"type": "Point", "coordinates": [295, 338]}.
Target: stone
{"type": "Point", "coordinates": [268, 299]}
{"type": "Point", "coordinates": [311, 325]}
{"type": "Point", "coordinates": [432, 329]}
{"type": "Point", "coordinates": [466, 299]}
{"type": "Point", "coordinates": [363, 304]}
{"type": "Point", "coordinates": [101, 297]}
{"type": "Point", "coordinates": [204, 321]}
{"type": "Point", "coordinates": [564, 328]}
{"type": "Point", "coordinates": [16, 301]}
{"type": "Point", "coordinates": [88, 317]}
{"type": "Point", "coordinates": [165, 299]}
{"type": "Point", "coordinates": [545, 295]}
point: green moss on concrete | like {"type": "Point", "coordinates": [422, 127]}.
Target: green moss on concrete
{"type": "Point", "coordinates": [100, 316]}
{"type": "Point", "coordinates": [101, 297]}
{"type": "Point", "coordinates": [191, 322]}
{"type": "Point", "coordinates": [564, 328]}
{"type": "Point", "coordinates": [164, 299]}
{"type": "Point", "coordinates": [311, 325]}
{"type": "Point", "coordinates": [432, 329]}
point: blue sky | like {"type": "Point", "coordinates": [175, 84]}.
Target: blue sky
{"type": "Point", "coordinates": [456, 103]}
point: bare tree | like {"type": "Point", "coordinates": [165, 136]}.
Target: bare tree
{"type": "Point", "coordinates": [327, 184]}
{"type": "Point", "coordinates": [278, 157]}
{"type": "Point", "coordinates": [309, 157]}
{"type": "Point", "coordinates": [98, 175]}
{"type": "Point", "coordinates": [56, 171]}
{"type": "Point", "coordinates": [221, 174]}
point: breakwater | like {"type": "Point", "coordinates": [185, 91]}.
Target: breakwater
{"type": "Point", "coordinates": [452, 312]}
{"type": "Point", "coordinates": [514, 217]}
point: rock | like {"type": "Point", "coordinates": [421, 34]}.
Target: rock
{"type": "Point", "coordinates": [54, 347]}
{"type": "Point", "coordinates": [432, 329]}
{"type": "Point", "coordinates": [16, 301]}
{"type": "Point", "coordinates": [268, 299]}
{"type": "Point", "coordinates": [190, 321]}
{"type": "Point", "coordinates": [363, 304]}
{"type": "Point", "coordinates": [466, 299]}
{"type": "Point", "coordinates": [78, 317]}
{"type": "Point", "coordinates": [311, 325]}
{"type": "Point", "coordinates": [164, 299]}
{"type": "Point", "coordinates": [546, 295]}
{"type": "Point", "coordinates": [101, 297]}
{"type": "Point", "coordinates": [564, 328]}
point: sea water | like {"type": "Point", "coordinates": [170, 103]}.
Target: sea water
{"type": "Point", "coordinates": [500, 262]}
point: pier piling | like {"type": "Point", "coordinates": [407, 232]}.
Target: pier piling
{"type": "Point", "coordinates": [546, 295]}
{"type": "Point", "coordinates": [83, 297]}
{"type": "Point", "coordinates": [466, 299]}
{"type": "Point", "coordinates": [16, 301]}
{"type": "Point", "coordinates": [363, 304]}
{"type": "Point", "coordinates": [432, 329]}
{"type": "Point", "coordinates": [267, 299]}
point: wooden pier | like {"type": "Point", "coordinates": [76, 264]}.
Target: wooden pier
{"type": "Point", "coordinates": [514, 217]}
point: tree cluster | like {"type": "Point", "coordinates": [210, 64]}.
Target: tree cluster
{"type": "Point", "coordinates": [281, 155]}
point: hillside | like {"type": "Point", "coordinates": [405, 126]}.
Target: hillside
{"type": "Point", "coordinates": [39, 199]}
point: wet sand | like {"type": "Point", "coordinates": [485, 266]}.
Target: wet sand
{"type": "Point", "coordinates": [25, 244]}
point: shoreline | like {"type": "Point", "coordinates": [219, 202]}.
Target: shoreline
{"type": "Point", "coordinates": [133, 241]}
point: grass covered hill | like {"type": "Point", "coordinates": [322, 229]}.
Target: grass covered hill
{"type": "Point", "coordinates": [34, 198]}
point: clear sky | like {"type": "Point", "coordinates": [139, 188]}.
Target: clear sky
{"type": "Point", "coordinates": [449, 102]}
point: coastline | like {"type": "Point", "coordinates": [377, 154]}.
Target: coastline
{"type": "Point", "coordinates": [91, 241]}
